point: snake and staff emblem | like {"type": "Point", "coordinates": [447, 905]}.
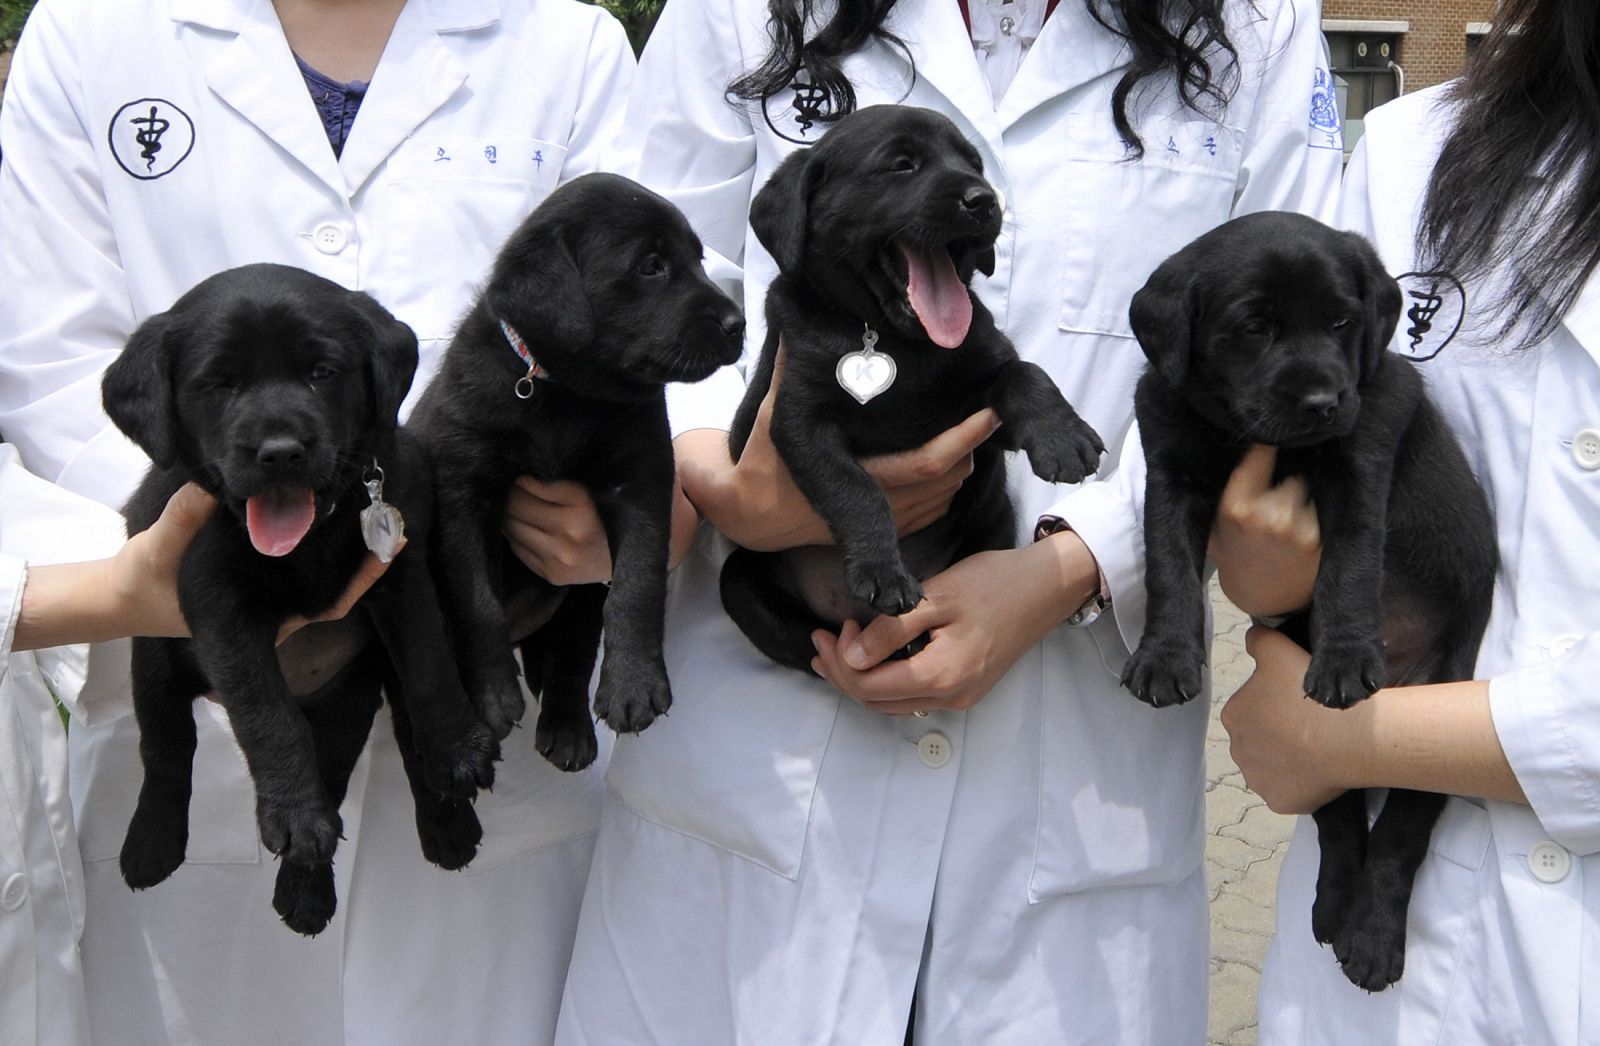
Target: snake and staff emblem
{"type": "Point", "coordinates": [150, 137]}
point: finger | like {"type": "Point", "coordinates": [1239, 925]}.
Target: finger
{"type": "Point", "coordinates": [884, 687]}
{"type": "Point", "coordinates": [367, 574]}
{"type": "Point", "coordinates": [185, 513]}
{"type": "Point", "coordinates": [1252, 477]}
{"type": "Point", "coordinates": [868, 647]}
{"type": "Point", "coordinates": [559, 492]}
{"type": "Point", "coordinates": [1262, 642]}
{"type": "Point", "coordinates": [937, 456]}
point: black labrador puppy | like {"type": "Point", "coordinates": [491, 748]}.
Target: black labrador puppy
{"type": "Point", "coordinates": [276, 391]}
{"type": "Point", "coordinates": [876, 231]}
{"type": "Point", "coordinates": [559, 371]}
{"type": "Point", "coordinates": [1272, 329]}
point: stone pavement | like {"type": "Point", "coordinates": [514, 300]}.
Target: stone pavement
{"type": "Point", "coordinates": [1245, 843]}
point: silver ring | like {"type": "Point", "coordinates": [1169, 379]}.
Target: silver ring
{"type": "Point", "coordinates": [920, 715]}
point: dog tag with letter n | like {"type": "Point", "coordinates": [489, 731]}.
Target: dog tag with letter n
{"type": "Point", "coordinates": [382, 526]}
{"type": "Point", "coordinates": [865, 373]}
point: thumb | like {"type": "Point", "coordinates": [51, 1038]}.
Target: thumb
{"type": "Point", "coordinates": [186, 512]}
{"type": "Point", "coordinates": [1252, 477]}
{"type": "Point", "coordinates": [882, 636]}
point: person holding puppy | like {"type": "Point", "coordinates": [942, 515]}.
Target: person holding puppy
{"type": "Point", "coordinates": [990, 840]}
{"type": "Point", "coordinates": [389, 146]}
{"type": "Point", "coordinates": [1473, 179]}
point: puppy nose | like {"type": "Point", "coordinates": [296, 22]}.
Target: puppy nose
{"type": "Point", "coordinates": [733, 324]}
{"type": "Point", "coordinates": [1322, 403]}
{"type": "Point", "coordinates": [280, 452]}
{"type": "Point", "coordinates": [979, 202]}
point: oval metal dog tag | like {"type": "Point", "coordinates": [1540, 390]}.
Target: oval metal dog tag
{"type": "Point", "coordinates": [865, 373]}
{"type": "Point", "coordinates": [382, 527]}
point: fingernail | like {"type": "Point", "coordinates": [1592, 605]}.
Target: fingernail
{"type": "Point", "coordinates": [856, 656]}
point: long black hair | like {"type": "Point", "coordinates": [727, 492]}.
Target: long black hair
{"type": "Point", "coordinates": [1184, 37]}
{"type": "Point", "coordinates": [1516, 189]}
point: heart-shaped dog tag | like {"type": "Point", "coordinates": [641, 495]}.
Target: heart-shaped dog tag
{"type": "Point", "coordinates": [867, 372]}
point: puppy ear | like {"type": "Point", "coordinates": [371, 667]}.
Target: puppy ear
{"type": "Point", "coordinates": [1381, 302]}
{"type": "Point", "coordinates": [391, 363]}
{"type": "Point", "coordinates": [538, 289]}
{"type": "Point", "coordinates": [1162, 317]}
{"type": "Point", "coordinates": [137, 390]}
{"type": "Point", "coordinates": [778, 212]}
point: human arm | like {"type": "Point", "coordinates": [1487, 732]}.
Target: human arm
{"type": "Point", "coordinates": [1297, 754]}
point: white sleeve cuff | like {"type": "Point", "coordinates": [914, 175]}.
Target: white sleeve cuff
{"type": "Point", "coordinates": [1107, 520]}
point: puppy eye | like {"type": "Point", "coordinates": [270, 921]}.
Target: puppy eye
{"type": "Point", "coordinates": [903, 165]}
{"type": "Point", "coordinates": [322, 372]}
{"type": "Point", "coordinates": [650, 265]}
{"type": "Point", "coordinates": [1342, 321]}
{"type": "Point", "coordinates": [1257, 328]}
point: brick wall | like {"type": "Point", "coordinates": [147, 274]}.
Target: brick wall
{"type": "Point", "coordinates": [1435, 47]}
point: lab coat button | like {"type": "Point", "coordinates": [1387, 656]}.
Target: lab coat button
{"type": "Point", "coordinates": [14, 892]}
{"type": "Point", "coordinates": [1586, 449]}
{"type": "Point", "coordinates": [935, 750]}
{"type": "Point", "coordinates": [1564, 642]}
{"type": "Point", "coordinates": [329, 238]}
{"type": "Point", "coordinates": [1549, 862]}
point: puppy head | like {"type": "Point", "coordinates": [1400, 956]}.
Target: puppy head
{"type": "Point", "coordinates": [890, 213]}
{"type": "Point", "coordinates": [267, 385]}
{"type": "Point", "coordinates": [1272, 321]}
{"type": "Point", "coordinates": [605, 282]}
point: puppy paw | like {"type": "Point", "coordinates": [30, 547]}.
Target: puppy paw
{"type": "Point", "coordinates": [449, 832]}
{"type": "Point", "coordinates": [1342, 674]}
{"type": "Point", "coordinates": [567, 741]}
{"type": "Point", "coordinates": [1065, 453]}
{"type": "Point", "coordinates": [632, 692]}
{"type": "Point", "coordinates": [157, 840]}
{"type": "Point", "coordinates": [303, 896]}
{"type": "Point", "coordinates": [464, 764]}
{"type": "Point", "coordinates": [302, 834]}
{"type": "Point", "coordinates": [1370, 944]}
{"type": "Point", "coordinates": [1162, 674]}
{"type": "Point", "coordinates": [1328, 911]}
{"type": "Point", "coordinates": [501, 705]}
{"type": "Point", "coordinates": [885, 587]}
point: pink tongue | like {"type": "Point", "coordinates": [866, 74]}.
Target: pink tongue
{"type": "Point", "coordinates": [937, 295]}
{"type": "Point", "coordinates": [278, 519]}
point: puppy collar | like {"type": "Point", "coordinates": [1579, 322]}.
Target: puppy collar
{"type": "Point", "coordinates": [524, 385]}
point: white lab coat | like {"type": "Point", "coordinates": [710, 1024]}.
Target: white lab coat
{"type": "Point", "coordinates": [1503, 939]}
{"type": "Point", "coordinates": [41, 879]}
{"type": "Point", "coordinates": [477, 110]}
{"type": "Point", "coordinates": [778, 865]}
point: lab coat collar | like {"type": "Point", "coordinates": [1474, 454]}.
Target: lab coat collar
{"type": "Point", "coordinates": [934, 34]}
{"type": "Point", "coordinates": [1071, 50]}
{"type": "Point", "coordinates": [443, 15]}
{"type": "Point", "coordinates": [418, 73]}
{"type": "Point", "coordinates": [1583, 317]}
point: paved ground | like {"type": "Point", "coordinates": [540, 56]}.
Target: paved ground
{"type": "Point", "coordinates": [1244, 847]}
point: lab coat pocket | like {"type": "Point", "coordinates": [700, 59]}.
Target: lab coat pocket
{"type": "Point", "coordinates": [1121, 784]}
{"type": "Point", "coordinates": [735, 764]}
{"type": "Point", "coordinates": [451, 201]}
{"type": "Point", "coordinates": [1124, 217]}
{"type": "Point", "coordinates": [222, 809]}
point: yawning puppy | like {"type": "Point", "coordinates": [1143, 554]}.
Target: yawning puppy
{"type": "Point", "coordinates": [1272, 329]}
{"type": "Point", "coordinates": [558, 372]}
{"type": "Point", "coordinates": [876, 231]}
{"type": "Point", "coordinates": [276, 391]}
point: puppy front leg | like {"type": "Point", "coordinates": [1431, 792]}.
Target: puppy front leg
{"type": "Point", "coordinates": [850, 501]}
{"type": "Point", "coordinates": [1347, 657]}
{"type": "Point", "coordinates": [296, 817]}
{"type": "Point", "coordinates": [467, 550]}
{"type": "Point", "coordinates": [637, 514]}
{"type": "Point", "coordinates": [1167, 668]}
{"type": "Point", "coordinates": [1060, 445]}
{"type": "Point", "coordinates": [165, 686]}
{"type": "Point", "coordinates": [456, 748]}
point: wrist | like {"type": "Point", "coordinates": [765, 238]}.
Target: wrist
{"type": "Point", "coordinates": [1075, 582]}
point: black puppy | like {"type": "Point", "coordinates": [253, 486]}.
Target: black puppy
{"type": "Point", "coordinates": [876, 231]}
{"type": "Point", "coordinates": [1272, 329]}
{"type": "Point", "coordinates": [558, 372]}
{"type": "Point", "coordinates": [276, 391]}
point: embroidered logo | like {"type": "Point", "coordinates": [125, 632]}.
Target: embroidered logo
{"type": "Point", "coordinates": [150, 137]}
{"type": "Point", "coordinates": [1325, 126]}
{"type": "Point", "coordinates": [1435, 305]}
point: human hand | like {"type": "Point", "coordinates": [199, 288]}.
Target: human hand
{"type": "Point", "coordinates": [756, 504]}
{"type": "Point", "coordinates": [974, 637]}
{"type": "Point", "coordinates": [555, 530]}
{"type": "Point", "coordinates": [1265, 540]}
{"type": "Point", "coordinates": [1285, 743]}
{"type": "Point", "coordinates": [142, 578]}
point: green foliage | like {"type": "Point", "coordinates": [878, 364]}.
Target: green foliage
{"type": "Point", "coordinates": [638, 17]}
{"type": "Point", "coordinates": [12, 14]}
